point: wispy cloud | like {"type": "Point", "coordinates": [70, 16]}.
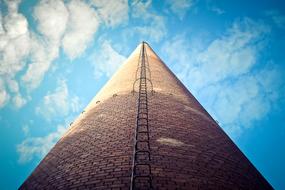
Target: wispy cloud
{"type": "Point", "coordinates": [26, 130]}
{"type": "Point", "coordinates": [231, 55]}
{"type": "Point", "coordinates": [225, 75]}
{"type": "Point", "coordinates": [51, 17]}
{"type": "Point", "coordinates": [180, 7]}
{"type": "Point", "coordinates": [4, 96]}
{"type": "Point", "coordinates": [82, 25]}
{"type": "Point", "coordinates": [106, 61]}
{"type": "Point", "coordinates": [14, 48]}
{"type": "Point", "coordinates": [19, 101]}
{"type": "Point", "coordinates": [217, 10]}
{"type": "Point", "coordinates": [58, 103]}
{"type": "Point", "coordinates": [112, 12]}
{"type": "Point", "coordinates": [154, 26]}
{"type": "Point", "coordinates": [27, 53]}
{"type": "Point", "coordinates": [37, 147]}
{"type": "Point", "coordinates": [277, 18]}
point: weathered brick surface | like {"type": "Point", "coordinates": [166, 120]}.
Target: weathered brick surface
{"type": "Point", "coordinates": [188, 149]}
{"type": "Point", "coordinates": [96, 154]}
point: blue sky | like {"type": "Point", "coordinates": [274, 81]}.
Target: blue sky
{"type": "Point", "coordinates": [55, 55]}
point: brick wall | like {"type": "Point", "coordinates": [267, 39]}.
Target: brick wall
{"type": "Point", "coordinates": [188, 149]}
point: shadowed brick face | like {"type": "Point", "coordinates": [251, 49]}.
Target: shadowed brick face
{"type": "Point", "coordinates": [188, 149]}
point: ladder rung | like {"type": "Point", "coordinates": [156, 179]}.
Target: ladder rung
{"type": "Point", "coordinates": [139, 151]}
{"type": "Point", "coordinates": [142, 118]}
{"type": "Point", "coordinates": [143, 108]}
{"type": "Point", "coordinates": [143, 113]}
{"type": "Point", "coordinates": [142, 164]}
{"type": "Point", "coordinates": [142, 141]}
{"type": "Point", "coordinates": [142, 132]}
{"type": "Point", "coordinates": [142, 125]}
{"type": "Point", "coordinates": [142, 176]}
{"type": "Point", "coordinates": [142, 153]}
{"type": "Point", "coordinates": [145, 127]}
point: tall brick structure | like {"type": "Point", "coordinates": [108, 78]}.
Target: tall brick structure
{"type": "Point", "coordinates": [145, 130]}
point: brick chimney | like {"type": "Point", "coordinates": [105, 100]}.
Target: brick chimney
{"type": "Point", "coordinates": [145, 130]}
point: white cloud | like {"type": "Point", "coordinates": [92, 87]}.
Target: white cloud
{"type": "Point", "coordinates": [14, 49]}
{"type": "Point", "coordinates": [58, 103]}
{"type": "Point", "coordinates": [225, 76]}
{"type": "Point", "coordinates": [277, 18]}
{"type": "Point", "coordinates": [217, 10]}
{"type": "Point", "coordinates": [26, 130]}
{"type": "Point", "coordinates": [42, 55]}
{"type": "Point", "coordinates": [82, 25]}
{"type": "Point", "coordinates": [18, 44]}
{"type": "Point", "coordinates": [4, 96]}
{"type": "Point", "coordinates": [13, 54]}
{"type": "Point", "coordinates": [14, 42]}
{"type": "Point", "coordinates": [19, 101]}
{"type": "Point", "coordinates": [271, 80]}
{"type": "Point", "coordinates": [75, 23]}
{"type": "Point", "coordinates": [72, 25]}
{"type": "Point", "coordinates": [29, 54]}
{"type": "Point", "coordinates": [13, 85]}
{"type": "Point", "coordinates": [12, 5]}
{"type": "Point", "coordinates": [140, 9]}
{"type": "Point", "coordinates": [181, 57]}
{"type": "Point", "coordinates": [112, 12]}
{"type": "Point", "coordinates": [231, 55]}
{"type": "Point", "coordinates": [156, 30]}
{"type": "Point", "coordinates": [33, 147]}
{"type": "Point", "coordinates": [234, 99]}
{"type": "Point", "coordinates": [106, 61]}
{"type": "Point", "coordinates": [52, 17]}
{"type": "Point", "coordinates": [180, 7]}
{"type": "Point", "coordinates": [154, 27]}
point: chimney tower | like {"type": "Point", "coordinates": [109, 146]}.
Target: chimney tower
{"type": "Point", "coordinates": [145, 130]}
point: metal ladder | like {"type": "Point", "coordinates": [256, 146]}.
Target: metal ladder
{"type": "Point", "coordinates": [141, 169]}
